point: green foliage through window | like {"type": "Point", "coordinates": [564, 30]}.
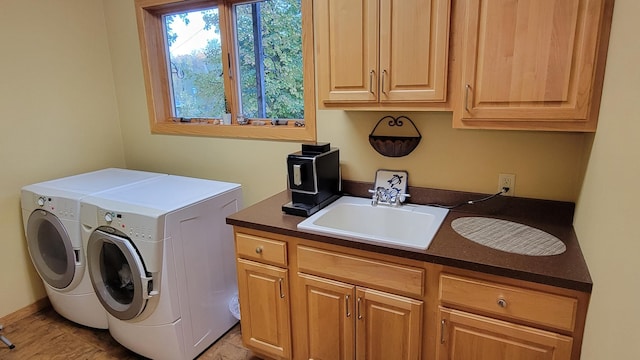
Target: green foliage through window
{"type": "Point", "coordinates": [272, 88]}
{"type": "Point", "coordinates": [268, 51]}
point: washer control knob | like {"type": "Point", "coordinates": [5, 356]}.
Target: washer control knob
{"type": "Point", "coordinates": [41, 201]}
{"type": "Point", "coordinates": [108, 217]}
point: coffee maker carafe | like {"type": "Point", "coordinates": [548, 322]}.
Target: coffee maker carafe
{"type": "Point", "coordinates": [313, 178]}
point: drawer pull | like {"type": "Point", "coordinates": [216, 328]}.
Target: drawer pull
{"type": "Point", "coordinates": [502, 303]}
{"type": "Point", "coordinates": [259, 250]}
{"type": "Point", "coordinates": [515, 302]}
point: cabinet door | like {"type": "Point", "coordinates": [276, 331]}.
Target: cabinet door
{"type": "Point", "coordinates": [387, 326]}
{"type": "Point", "coordinates": [529, 60]}
{"type": "Point", "coordinates": [329, 325]}
{"type": "Point", "coordinates": [413, 50]}
{"type": "Point", "coordinates": [465, 336]}
{"type": "Point", "coordinates": [381, 51]}
{"type": "Point", "coordinates": [263, 291]}
{"type": "Point", "coordinates": [346, 33]}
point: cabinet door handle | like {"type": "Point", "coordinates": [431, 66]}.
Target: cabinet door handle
{"type": "Point", "coordinates": [467, 88]}
{"type": "Point", "coordinates": [280, 284]}
{"type": "Point", "coordinates": [371, 73]}
{"type": "Point", "coordinates": [359, 313]}
{"type": "Point", "coordinates": [443, 324]}
{"type": "Point", "coordinates": [346, 305]}
{"type": "Point", "coordinates": [384, 72]}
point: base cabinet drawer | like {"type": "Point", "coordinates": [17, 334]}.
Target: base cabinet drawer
{"type": "Point", "coordinates": [369, 272]}
{"type": "Point", "coordinates": [520, 304]}
{"type": "Point", "coordinates": [261, 249]}
{"type": "Point", "coordinates": [466, 336]}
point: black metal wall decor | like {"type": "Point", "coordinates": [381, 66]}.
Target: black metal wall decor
{"type": "Point", "coordinates": [385, 141]}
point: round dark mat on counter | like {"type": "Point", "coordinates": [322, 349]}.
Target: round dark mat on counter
{"type": "Point", "coordinates": [508, 236]}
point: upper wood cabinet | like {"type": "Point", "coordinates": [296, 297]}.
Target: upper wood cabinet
{"type": "Point", "coordinates": [381, 53]}
{"type": "Point", "coordinates": [531, 64]}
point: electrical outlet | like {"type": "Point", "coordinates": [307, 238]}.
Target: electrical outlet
{"type": "Point", "coordinates": [507, 180]}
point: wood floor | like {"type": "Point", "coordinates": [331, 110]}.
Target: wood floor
{"type": "Point", "coordinates": [47, 335]}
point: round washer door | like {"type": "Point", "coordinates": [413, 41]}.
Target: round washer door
{"type": "Point", "coordinates": [51, 249]}
{"type": "Point", "coordinates": [117, 273]}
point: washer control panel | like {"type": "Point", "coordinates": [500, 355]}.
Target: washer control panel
{"type": "Point", "coordinates": [63, 208]}
{"type": "Point", "coordinates": [135, 226]}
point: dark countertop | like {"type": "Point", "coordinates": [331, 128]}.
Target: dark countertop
{"type": "Point", "coordinates": [567, 270]}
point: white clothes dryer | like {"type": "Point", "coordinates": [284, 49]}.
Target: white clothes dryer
{"type": "Point", "coordinates": [51, 219]}
{"type": "Point", "coordinates": [161, 261]}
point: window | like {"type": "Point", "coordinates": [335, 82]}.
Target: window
{"type": "Point", "coordinates": [253, 60]}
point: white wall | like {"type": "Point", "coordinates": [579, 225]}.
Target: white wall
{"type": "Point", "coordinates": [547, 165]}
{"type": "Point", "coordinates": [608, 209]}
{"type": "Point", "coordinates": [58, 116]}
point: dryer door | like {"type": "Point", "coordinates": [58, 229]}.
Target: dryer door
{"type": "Point", "coordinates": [51, 249]}
{"type": "Point", "coordinates": [117, 273]}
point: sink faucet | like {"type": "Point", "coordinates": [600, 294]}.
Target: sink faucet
{"type": "Point", "coordinates": [379, 196]}
{"type": "Point", "coordinates": [399, 198]}
{"type": "Point", "coordinates": [390, 197]}
{"type": "Point", "coordinates": [390, 188]}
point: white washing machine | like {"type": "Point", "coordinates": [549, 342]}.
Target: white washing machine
{"type": "Point", "coordinates": [161, 261]}
{"type": "Point", "coordinates": [51, 219]}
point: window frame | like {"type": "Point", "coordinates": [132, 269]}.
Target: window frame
{"type": "Point", "coordinates": [155, 68]}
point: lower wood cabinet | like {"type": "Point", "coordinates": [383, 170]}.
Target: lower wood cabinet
{"type": "Point", "coordinates": [514, 303]}
{"type": "Point", "coordinates": [329, 305]}
{"type": "Point", "coordinates": [303, 300]}
{"type": "Point", "coordinates": [345, 321]}
{"type": "Point", "coordinates": [263, 291]}
{"type": "Point", "coordinates": [484, 319]}
{"type": "Point", "coordinates": [465, 336]}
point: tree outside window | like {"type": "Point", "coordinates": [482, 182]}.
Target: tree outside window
{"type": "Point", "coordinates": [244, 58]}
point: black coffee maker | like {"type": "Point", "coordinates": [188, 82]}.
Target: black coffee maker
{"type": "Point", "coordinates": [314, 178]}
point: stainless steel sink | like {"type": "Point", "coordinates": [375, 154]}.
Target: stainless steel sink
{"type": "Point", "coordinates": [354, 218]}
